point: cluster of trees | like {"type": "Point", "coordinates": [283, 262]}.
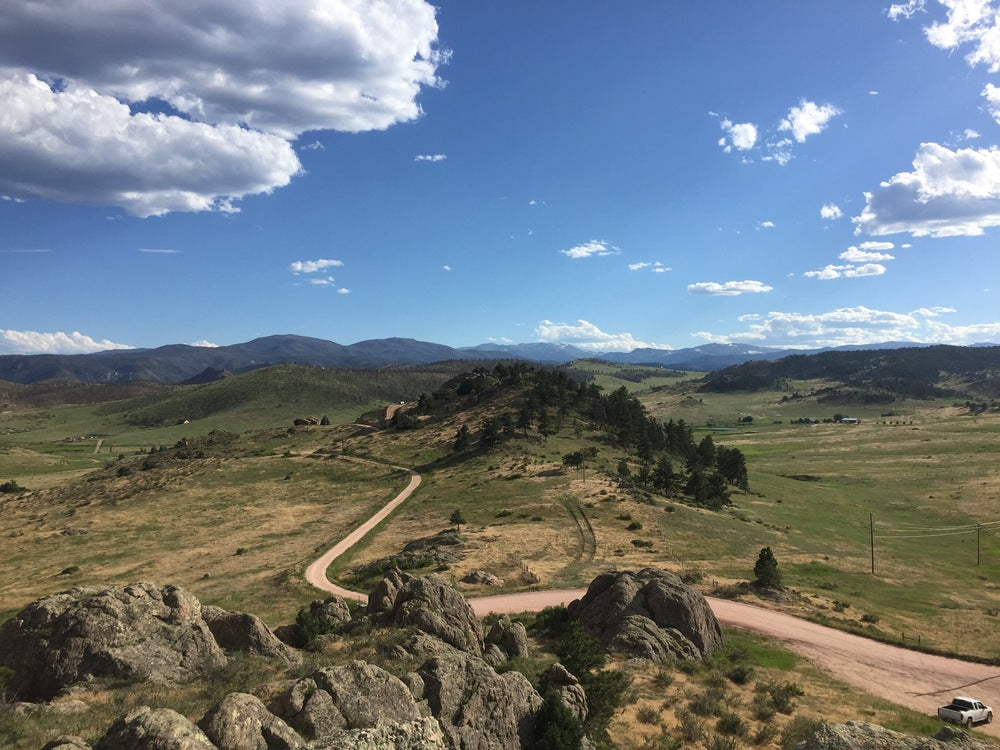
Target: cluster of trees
{"type": "Point", "coordinates": [660, 456]}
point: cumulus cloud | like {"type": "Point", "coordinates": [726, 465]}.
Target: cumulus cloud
{"type": "Point", "coordinates": [162, 106]}
{"type": "Point", "coordinates": [312, 266]}
{"type": "Point", "coordinates": [766, 225]}
{"type": "Point", "coordinates": [807, 119]}
{"type": "Point", "coordinates": [905, 10]}
{"type": "Point", "coordinates": [948, 193]}
{"type": "Point", "coordinates": [591, 249]}
{"type": "Point", "coordinates": [932, 312]}
{"type": "Point", "coordinates": [992, 96]}
{"type": "Point", "coordinates": [446, 268]}
{"type": "Point", "coordinates": [830, 211]}
{"type": "Point", "coordinates": [849, 271]}
{"type": "Point", "coordinates": [204, 344]}
{"type": "Point", "coordinates": [76, 145]}
{"type": "Point", "coordinates": [322, 281]}
{"type": "Point", "coordinates": [430, 157]}
{"type": "Point", "coordinates": [854, 325]}
{"type": "Point", "coordinates": [33, 342]}
{"type": "Point", "coordinates": [729, 288]}
{"type": "Point", "coordinates": [864, 254]}
{"type": "Point", "coordinates": [969, 22]}
{"type": "Point", "coordinates": [588, 336]}
{"type": "Point", "coordinates": [739, 135]}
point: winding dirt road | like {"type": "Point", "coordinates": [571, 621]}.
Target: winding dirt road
{"type": "Point", "coordinates": [908, 678]}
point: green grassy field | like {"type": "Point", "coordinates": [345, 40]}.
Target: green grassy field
{"type": "Point", "coordinates": [813, 491]}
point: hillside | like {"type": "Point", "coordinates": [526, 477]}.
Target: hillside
{"type": "Point", "coordinates": [926, 372]}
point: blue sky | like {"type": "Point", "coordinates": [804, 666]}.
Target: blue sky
{"type": "Point", "coordinates": [610, 175]}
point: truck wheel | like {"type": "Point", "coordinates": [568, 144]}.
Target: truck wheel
{"type": "Point", "coordinates": [968, 721]}
{"type": "Point", "coordinates": [989, 717]}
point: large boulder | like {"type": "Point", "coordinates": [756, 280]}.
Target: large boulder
{"type": "Point", "coordinates": [147, 728]}
{"type": "Point", "coordinates": [506, 640]}
{"type": "Point", "coordinates": [246, 633]}
{"type": "Point", "coordinates": [241, 722]}
{"type": "Point", "coordinates": [859, 735]}
{"type": "Point", "coordinates": [429, 604]}
{"type": "Point", "coordinates": [137, 632]}
{"type": "Point", "coordinates": [478, 708]}
{"type": "Point", "coordinates": [568, 688]}
{"type": "Point", "coordinates": [355, 695]}
{"type": "Point", "coordinates": [651, 614]}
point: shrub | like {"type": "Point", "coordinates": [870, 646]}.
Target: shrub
{"type": "Point", "coordinates": [740, 674]}
{"type": "Point", "coordinates": [634, 526]}
{"type": "Point", "coordinates": [716, 742]}
{"type": "Point", "coordinates": [11, 487]}
{"type": "Point", "coordinates": [556, 728]}
{"type": "Point", "coordinates": [730, 724]}
{"type": "Point", "coordinates": [797, 730]}
{"type": "Point", "coordinates": [648, 715]}
{"type": "Point", "coordinates": [604, 694]}
{"type": "Point", "coordinates": [869, 618]}
{"type": "Point", "coordinates": [763, 734]}
{"type": "Point", "coordinates": [579, 651]}
{"type": "Point", "coordinates": [690, 728]}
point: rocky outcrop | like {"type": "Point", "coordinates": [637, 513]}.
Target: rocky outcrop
{"type": "Point", "coordinates": [651, 614]}
{"type": "Point", "coordinates": [482, 578]}
{"type": "Point", "coordinates": [423, 734]}
{"type": "Point", "coordinates": [356, 695]}
{"type": "Point", "coordinates": [506, 640]}
{"type": "Point", "coordinates": [429, 604]}
{"type": "Point", "coordinates": [154, 729]}
{"type": "Point", "coordinates": [859, 735]}
{"type": "Point", "coordinates": [477, 707]}
{"type": "Point", "coordinates": [246, 633]}
{"type": "Point", "coordinates": [241, 722]}
{"type": "Point", "coordinates": [568, 688]}
{"type": "Point", "coordinates": [66, 742]}
{"type": "Point", "coordinates": [138, 632]}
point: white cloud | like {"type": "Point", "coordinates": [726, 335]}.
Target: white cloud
{"type": "Point", "coordinates": [932, 312]}
{"type": "Point", "coordinates": [240, 81]}
{"type": "Point", "coordinates": [591, 249]}
{"type": "Point", "coordinates": [446, 268]}
{"type": "Point", "coordinates": [588, 336]}
{"type": "Point", "coordinates": [314, 146]}
{"type": "Point", "coordinates": [766, 225]}
{"type": "Point", "coordinates": [729, 288]}
{"type": "Point", "coordinates": [867, 269]}
{"type": "Point", "coordinates": [973, 22]}
{"type": "Point", "coordinates": [854, 325]}
{"type": "Point", "coordinates": [204, 344]}
{"type": "Point", "coordinates": [312, 266]}
{"type": "Point", "coordinates": [826, 273]}
{"type": "Point", "coordinates": [849, 271]}
{"type": "Point", "coordinates": [992, 96]}
{"type": "Point", "coordinates": [807, 119]}
{"type": "Point", "coordinates": [948, 193]}
{"type": "Point", "coordinates": [159, 250]}
{"type": "Point", "coordinates": [342, 290]}
{"type": "Point", "coordinates": [969, 134]}
{"type": "Point", "coordinates": [905, 10]}
{"type": "Point", "coordinates": [830, 211]}
{"type": "Point", "coordinates": [430, 157]}
{"type": "Point", "coordinates": [32, 342]}
{"type": "Point", "coordinates": [873, 92]}
{"type": "Point", "coordinates": [655, 267]}
{"type": "Point", "coordinates": [876, 246]}
{"type": "Point", "coordinates": [76, 145]}
{"type": "Point", "coordinates": [317, 281]}
{"type": "Point", "coordinates": [863, 255]}
{"type": "Point", "coordinates": [740, 135]}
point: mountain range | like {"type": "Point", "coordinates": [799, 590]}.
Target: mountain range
{"type": "Point", "coordinates": [178, 363]}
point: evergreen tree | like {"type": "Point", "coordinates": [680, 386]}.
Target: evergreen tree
{"type": "Point", "coordinates": [765, 570]}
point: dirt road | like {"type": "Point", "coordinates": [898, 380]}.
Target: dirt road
{"type": "Point", "coordinates": [908, 678]}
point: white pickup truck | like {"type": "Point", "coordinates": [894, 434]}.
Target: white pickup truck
{"type": "Point", "coordinates": [967, 711]}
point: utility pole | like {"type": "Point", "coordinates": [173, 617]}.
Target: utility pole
{"type": "Point", "coordinates": [871, 531]}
